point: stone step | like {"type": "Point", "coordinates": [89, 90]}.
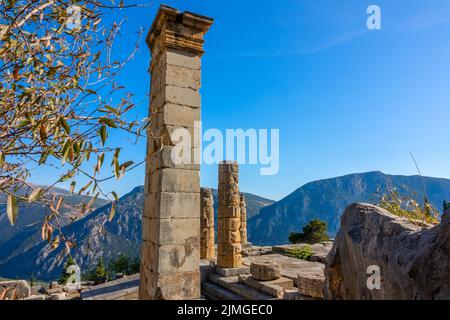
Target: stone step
{"type": "Point", "coordinates": [213, 291]}
{"type": "Point", "coordinates": [233, 284]}
{"type": "Point", "coordinates": [274, 288]}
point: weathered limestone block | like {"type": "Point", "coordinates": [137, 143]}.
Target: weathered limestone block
{"type": "Point", "coordinates": [175, 180]}
{"type": "Point", "coordinates": [177, 115]}
{"type": "Point", "coordinates": [173, 286]}
{"type": "Point", "coordinates": [231, 272]}
{"type": "Point", "coordinates": [35, 297]}
{"type": "Point", "coordinates": [184, 59]}
{"type": "Point", "coordinates": [58, 296]}
{"type": "Point", "coordinates": [311, 285]}
{"type": "Point", "coordinates": [22, 287]}
{"type": "Point", "coordinates": [229, 218]}
{"type": "Point", "coordinates": [265, 270]}
{"type": "Point", "coordinates": [207, 250]}
{"type": "Point", "coordinates": [54, 290]}
{"type": "Point", "coordinates": [171, 258]}
{"type": "Point", "coordinates": [274, 288]}
{"type": "Point", "coordinates": [414, 260]}
{"type": "Point", "coordinates": [172, 231]}
{"type": "Point", "coordinates": [171, 219]}
{"type": "Point", "coordinates": [243, 227]}
{"type": "Point", "coordinates": [165, 159]}
{"type": "Point", "coordinates": [170, 205]}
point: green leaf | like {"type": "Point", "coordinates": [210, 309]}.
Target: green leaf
{"type": "Point", "coordinates": [116, 197]}
{"type": "Point", "coordinates": [2, 159]}
{"type": "Point", "coordinates": [126, 165]}
{"type": "Point", "coordinates": [68, 176]}
{"type": "Point", "coordinates": [66, 151]}
{"type": "Point", "coordinates": [63, 123]}
{"type": "Point", "coordinates": [112, 212]}
{"type": "Point", "coordinates": [116, 164]}
{"type": "Point", "coordinates": [12, 209]}
{"type": "Point", "coordinates": [103, 134]}
{"type": "Point", "coordinates": [82, 190]}
{"type": "Point", "coordinates": [91, 202]}
{"type": "Point", "coordinates": [35, 195]}
{"type": "Point", "coordinates": [44, 157]}
{"type": "Point", "coordinates": [76, 149]}
{"type": "Point", "coordinates": [100, 160]}
{"type": "Point", "coordinates": [108, 122]}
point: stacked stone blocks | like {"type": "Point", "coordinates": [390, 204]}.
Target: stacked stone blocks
{"type": "Point", "coordinates": [171, 219]}
{"type": "Point", "coordinates": [243, 228]}
{"type": "Point", "coordinates": [229, 217]}
{"type": "Point", "coordinates": [207, 250]}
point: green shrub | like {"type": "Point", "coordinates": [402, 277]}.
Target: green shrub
{"type": "Point", "coordinates": [315, 231]}
{"type": "Point", "coordinates": [303, 253]}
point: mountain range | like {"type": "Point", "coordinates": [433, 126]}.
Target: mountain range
{"type": "Point", "coordinates": [327, 199]}
{"type": "Point", "coordinates": [23, 253]}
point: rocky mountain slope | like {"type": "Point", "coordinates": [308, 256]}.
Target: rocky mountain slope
{"type": "Point", "coordinates": [327, 199]}
{"type": "Point", "coordinates": [95, 237]}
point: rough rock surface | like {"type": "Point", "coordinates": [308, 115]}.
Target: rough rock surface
{"type": "Point", "coordinates": [311, 285]}
{"type": "Point", "coordinates": [265, 270]}
{"type": "Point", "coordinates": [22, 288]}
{"type": "Point", "coordinates": [414, 260]}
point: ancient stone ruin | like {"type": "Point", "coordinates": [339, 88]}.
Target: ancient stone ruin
{"type": "Point", "coordinates": [229, 217]}
{"type": "Point", "coordinates": [207, 249]}
{"type": "Point", "coordinates": [243, 228]}
{"type": "Point", "coordinates": [178, 218]}
{"type": "Point", "coordinates": [179, 260]}
{"type": "Point", "coordinates": [171, 220]}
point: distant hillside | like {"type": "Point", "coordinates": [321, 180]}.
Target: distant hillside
{"type": "Point", "coordinates": [30, 213]}
{"type": "Point", "coordinates": [95, 237]}
{"type": "Point", "coordinates": [327, 199]}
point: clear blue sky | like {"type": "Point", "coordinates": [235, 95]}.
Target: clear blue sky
{"type": "Point", "coordinates": [345, 99]}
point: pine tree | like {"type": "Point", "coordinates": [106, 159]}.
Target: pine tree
{"type": "Point", "coordinates": [100, 272]}
{"type": "Point", "coordinates": [315, 231]}
{"type": "Point", "coordinates": [65, 274]}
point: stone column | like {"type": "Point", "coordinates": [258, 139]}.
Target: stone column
{"type": "Point", "coordinates": [243, 228]}
{"type": "Point", "coordinates": [171, 220]}
{"type": "Point", "coordinates": [207, 250]}
{"type": "Point", "coordinates": [229, 217]}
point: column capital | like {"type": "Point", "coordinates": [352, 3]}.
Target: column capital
{"type": "Point", "coordinates": [178, 30]}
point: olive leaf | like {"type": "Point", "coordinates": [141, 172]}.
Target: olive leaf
{"type": "Point", "coordinates": [36, 194]}
{"type": "Point", "coordinates": [12, 208]}
{"type": "Point", "coordinates": [112, 212]}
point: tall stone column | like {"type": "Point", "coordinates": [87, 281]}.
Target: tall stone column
{"type": "Point", "coordinates": [243, 228]}
{"type": "Point", "coordinates": [229, 217]}
{"type": "Point", "coordinates": [171, 220]}
{"type": "Point", "coordinates": [207, 250]}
